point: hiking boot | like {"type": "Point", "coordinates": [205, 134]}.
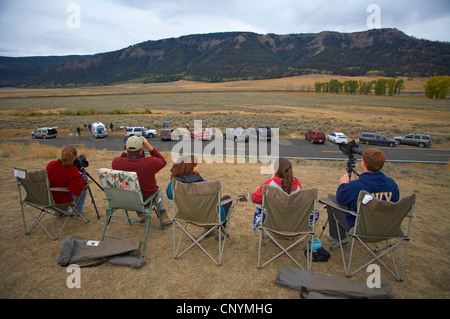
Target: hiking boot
{"type": "Point", "coordinates": [333, 241]}
{"type": "Point", "coordinates": [165, 220]}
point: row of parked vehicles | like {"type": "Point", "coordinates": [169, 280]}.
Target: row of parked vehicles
{"type": "Point", "coordinates": [417, 139]}
{"type": "Point", "coordinates": [239, 134]}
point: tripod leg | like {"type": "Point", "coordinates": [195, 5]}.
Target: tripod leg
{"type": "Point", "coordinates": [323, 229]}
{"type": "Point", "coordinates": [93, 201]}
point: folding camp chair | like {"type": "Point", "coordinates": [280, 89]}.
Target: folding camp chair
{"type": "Point", "coordinates": [288, 217]}
{"type": "Point", "coordinates": [123, 192]}
{"type": "Point", "coordinates": [39, 203]}
{"type": "Point", "coordinates": [379, 221]}
{"type": "Point", "coordinates": [198, 204]}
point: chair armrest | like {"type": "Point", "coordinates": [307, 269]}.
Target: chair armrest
{"type": "Point", "coordinates": [319, 206]}
{"type": "Point", "coordinates": [260, 206]}
{"type": "Point", "coordinates": [328, 202]}
{"type": "Point", "coordinates": [59, 189]}
{"type": "Point", "coordinates": [150, 199]}
{"type": "Point", "coordinates": [241, 198]}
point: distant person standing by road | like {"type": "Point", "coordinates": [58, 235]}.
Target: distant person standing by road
{"type": "Point", "coordinates": [111, 126]}
{"type": "Point", "coordinates": [79, 131]}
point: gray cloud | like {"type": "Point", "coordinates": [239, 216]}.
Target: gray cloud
{"type": "Point", "coordinates": [30, 27]}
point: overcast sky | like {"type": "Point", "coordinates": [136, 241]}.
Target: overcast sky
{"type": "Point", "coordinates": [64, 27]}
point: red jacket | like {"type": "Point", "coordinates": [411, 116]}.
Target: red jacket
{"type": "Point", "coordinates": [65, 176]}
{"type": "Point", "coordinates": [145, 167]}
{"type": "Point", "coordinates": [276, 181]}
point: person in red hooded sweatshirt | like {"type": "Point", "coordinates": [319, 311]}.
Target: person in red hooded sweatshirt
{"type": "Point", "coordinates": [62, 173]}
{"type": "Point", "coordinates": [283, 178]}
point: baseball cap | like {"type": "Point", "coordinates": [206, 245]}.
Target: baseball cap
{"type": "Point", "coordinates": [134, 143]}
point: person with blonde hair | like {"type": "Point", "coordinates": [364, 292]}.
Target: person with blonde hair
{"type": "Point", "coordinates": [63, 173]}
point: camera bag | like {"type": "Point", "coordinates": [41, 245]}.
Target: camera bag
{"type": "Point", "coordinates": [314, 285]}
{"type": "Point", "coordinates": [89, 253]}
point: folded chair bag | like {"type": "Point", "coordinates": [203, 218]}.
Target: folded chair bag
{"type": "Point", "coordinates": [320, 285]}
{"type": "Point", "coordinates": [77, 249]}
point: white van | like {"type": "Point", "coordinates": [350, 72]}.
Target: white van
{"type": "Point", "coordinates": [99, 130]}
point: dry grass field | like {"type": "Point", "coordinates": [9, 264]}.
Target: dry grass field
{"type": "Point", "coordinates": [28, 267]}
{"type": "Point", "coordinates": [287, 104]}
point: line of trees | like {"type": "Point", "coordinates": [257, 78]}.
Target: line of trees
{"type": "Point", "coordinates": [379, 87]}
{"type": "Point", "coordinates": [437, 87]}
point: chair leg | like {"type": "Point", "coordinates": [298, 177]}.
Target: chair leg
{"type": "Point", "coordinates": [397, 276]}
{"type": "Point", "coordinates": [37, 220]}
{"type": "Point", "coordinates": [196, 242]}
{"type": "Point", "coordinates": [283, 250]}
{"type": "Point", "coordinates": [259, 248]}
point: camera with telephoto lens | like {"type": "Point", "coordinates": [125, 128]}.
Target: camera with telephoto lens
{"type": "Point", "coordinates": [81, 162]}
{"type": "Point", "coordinates": [350, 148]}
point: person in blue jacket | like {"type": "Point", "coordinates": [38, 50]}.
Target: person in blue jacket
{"type": "Point", "coordinates": [371, 180]}
{"type": "Point", "coordinates": [186, 170]}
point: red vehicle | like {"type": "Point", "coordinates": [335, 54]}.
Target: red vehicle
{"type": "Point", "coordinates": [315, 136]}
{"type": "Point", "coordinates": [200, 135]}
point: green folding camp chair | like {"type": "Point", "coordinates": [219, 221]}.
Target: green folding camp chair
{"type": "Point", "coordinates": [379, 221]}
{"type": "Point", "coordinates": [288, 217]}
{"type": "Point", "coordinates": [123, 193]}
{"type": "Point", "coordinates": [38, 203]}
{"type": "Point", "coordinates": [198, 205]}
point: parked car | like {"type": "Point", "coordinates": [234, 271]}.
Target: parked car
{"type": "Point", "coordinates": [150, 133]}
{"type": "Point", "coordinates": [134, 130]}
{"type": "Point", "coordinates": [169, 134]}
{"type": "Point", "coordinates": [421, 140]}
{"type": "Point", "coordinates": [262, 132]}
{"type": "Point", "coordinates": [45, 132]}
{"type": "Point", "coordinates": [99, 130]}
{"type": "Point", "coordinates": [236, 134]}
{"type": "Point", "coordinates": [315, 136]}
{"type": "Point", "coordinates": [200, 135]}
{"type": "Point", "coordinates": [337, 138]}
{"type": "Point", "coordinates": [373, 138]}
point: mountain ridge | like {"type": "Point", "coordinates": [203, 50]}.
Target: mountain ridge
{"type": "Point", "coordinates": [225, 56]}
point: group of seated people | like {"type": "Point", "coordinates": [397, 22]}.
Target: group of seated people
{"type": "Point", "coordinates": [62, 173]}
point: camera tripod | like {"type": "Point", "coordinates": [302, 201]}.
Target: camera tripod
{"type": "Point", "coordinates": [84, 172]}
{"type": "Point", "coordinates": [350, 169]}
{"type": "Point", "coordinates": [351, 166]}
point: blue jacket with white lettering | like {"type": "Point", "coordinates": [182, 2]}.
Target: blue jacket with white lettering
{"type": "Point", "coordinates": [378, 184]}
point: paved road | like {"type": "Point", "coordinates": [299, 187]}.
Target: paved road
{"type": "Point", "coordinates": [291, 148]}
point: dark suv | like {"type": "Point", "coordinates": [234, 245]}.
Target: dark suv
{"type": "Point", "coordinates": [315, 136]}
{"type": "Point", "coordinates": [421, 140]}
{"type": "Point", "coordinates": [373, 138]}
{"type": "Point", "coordinates": [262, 132]}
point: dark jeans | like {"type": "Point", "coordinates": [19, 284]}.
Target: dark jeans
{"type": "Point", "coordinates": [340, 216]}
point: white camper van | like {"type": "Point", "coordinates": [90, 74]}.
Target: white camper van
{"type": "Point", "coordinates": [99, 130]}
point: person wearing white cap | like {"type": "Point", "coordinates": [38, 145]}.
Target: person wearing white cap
{"type": "Point", "coordinates": [134, 160]}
